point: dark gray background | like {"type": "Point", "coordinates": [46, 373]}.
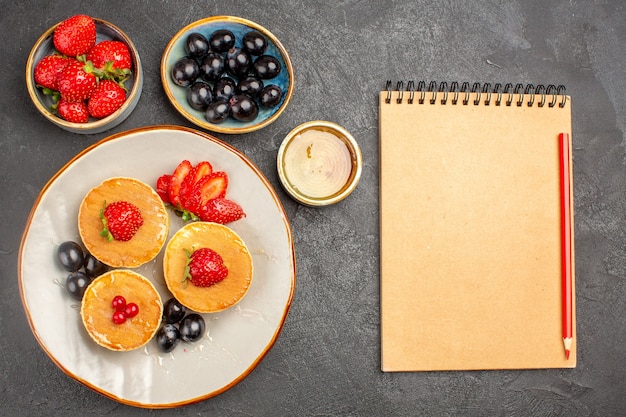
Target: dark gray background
{"type": "Point", "coordinates": [326, 361]}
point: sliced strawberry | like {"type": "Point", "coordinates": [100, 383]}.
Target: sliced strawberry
{"type": "Point", "coordinates": [163, 186]}
{"type": "Point", "coordinates": [209, 187]}
{"type": "Point", "coordinates": [198, 172]}
{"type": "Point", "coordinates": [221, 210]}
{"type": "Point", "coordinates": [176, 182]}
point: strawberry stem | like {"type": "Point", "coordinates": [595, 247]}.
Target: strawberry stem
{"type": "Point", "coordinates": [105, 231]}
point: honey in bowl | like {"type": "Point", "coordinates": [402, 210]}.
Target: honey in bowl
{"type": "Point", "coordinates": [319, 163]}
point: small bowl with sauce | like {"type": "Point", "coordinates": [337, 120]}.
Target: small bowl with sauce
{"type": "Point", "coordinates": [319, 163]}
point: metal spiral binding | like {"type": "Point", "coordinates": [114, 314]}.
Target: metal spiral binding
{"type": "Point", "coordinates": [485, 93]}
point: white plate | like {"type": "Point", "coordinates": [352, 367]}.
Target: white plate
{"type": "Point", "coordinates": [236, 340]}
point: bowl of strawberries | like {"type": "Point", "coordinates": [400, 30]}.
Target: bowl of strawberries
{"type": "Point", "coordinates": [84, 75]}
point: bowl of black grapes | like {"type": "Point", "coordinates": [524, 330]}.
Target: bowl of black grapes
{"type": "Point", "coordinates": [227, 74]}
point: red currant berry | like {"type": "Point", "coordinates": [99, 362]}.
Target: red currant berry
{"type": "Point", "coordinates": [118, 303]}
{"type": "Point", "coordinates": [119, 317]}
{"type": "Point", "coordinates": [131, 310]}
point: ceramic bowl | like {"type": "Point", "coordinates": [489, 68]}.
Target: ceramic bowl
{"type": "Point", "coordinates": [45, 46]}
{"type": "Point", "coordinates": [319, 163]}
{"type": "Point", "coordinates": [239, 26]}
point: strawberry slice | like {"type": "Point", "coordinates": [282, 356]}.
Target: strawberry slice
{"type": "Point", "coordinates": [176, 182]}
{"type": "Point", "coordinates": [195, 175]}
{"type": "Point", "coordinates": [221, 210]}
{"type": "Point", "coordinates": [209, 187]}
{"type": "Point", "coordinates": [163, 186]}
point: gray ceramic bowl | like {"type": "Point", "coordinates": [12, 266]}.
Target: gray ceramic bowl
{"type": "Point", "coordinates": [104, 31]}
{"type": "Point", "coordinates": [239, 26]}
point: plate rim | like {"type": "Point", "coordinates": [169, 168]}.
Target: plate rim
{"type": "Point", "coordinates": [286, 309]}
{"type": "Point", "coordinates": [215, 127]}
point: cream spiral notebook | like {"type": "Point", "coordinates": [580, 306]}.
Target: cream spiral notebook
{"type": "Point", "coordinates": [470, 226]}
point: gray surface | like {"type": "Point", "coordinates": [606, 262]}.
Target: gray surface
{"type": "Point", "coordinates": [326, 361]}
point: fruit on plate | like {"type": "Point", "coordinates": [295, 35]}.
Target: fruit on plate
{"type": "Point", "coordinates": [229, 66]}
{"type": "Point", "coordinates": [205, 267]}
{"type": "Point", "coordinates": [199, 193]}
{"type": "Point", "coordinates": [178, 325]}
{"type": "Point", "coordinates": [223, 292]}
{"type": "Point", "coordinates": [82, 73]}
{"type": "Point", "coordinates": [83, 268]}
{"type": "Point", "coordinates": [121, 326]}
{"type": "Point", "coordinates": [136, 244]}
{"type": "Point", "coordinates": [121, 220]}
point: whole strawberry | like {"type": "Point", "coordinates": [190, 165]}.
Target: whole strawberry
{"type": "Point", "coordinates": [73, 111]}
{"type": "Point", "coordinates": [75, 36]}
{"type": "Point", "coordinates": [106, 99]}
{"type": "Point", "coordinates": [76, 81]}
{"type": "Point", "coordinates": [221, 210]}
{"type": "Point", "coordinates": [205, 267]}
{"type": "Point", "coordinates": [121, 221]}
{"type": "Point", "coordinates": [115, 52]}
{"type": "Point", "coordinates": [47, 70]}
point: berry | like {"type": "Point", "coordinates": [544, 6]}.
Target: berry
{"type": "Point", "coordinates": [115, 52]}
{"type": "Point", "coordinates": [173, 311]}
{"type": "Point", "coordinates": [48, 68]}
{"type": "Point", "coordinates": [113, 58]}
{"type": "Point", "coordinates": [131, 310]}
{"type": "Point", "coordinates": [221, 210]}
{"type": "Point", "coordinates": [201, 170]}
{"type": "Point", "coordinates": [251, 86]}
{"type": "Point", "coordinates": [266, 67]}
{"type": "Point", "coordinates": [196, 45]}
{"type": "Point", "coordinates": [162, 187]}
{"type": "Point", "coordinates": [76, 81]}
{"type": "Point", "coordinates": [70, 255]}
{"type": "Point", "coordinates": [212, 66]}
{"type": "Point", "coordinates": [270, 96]}
{"type": "Point", "coordinates": [205, 268]}
{"type": "Point", "coordinates": [106, 99]}
{"type": "Point", "coordinates": [224, 88]}
{"type": "Point", "coordinates": [192, 328]}
{"type": "Point", "coordinates": [118, 303]}
{"type": "Point", "coordinates": [176, 182]}
{"type": "Point", "coordinates": [94, 267]}
{"type": "Point", "coordinates": [119, 317]}
{"type": "Point", "coordinates": [210, 186]}
{"type": "Point", "coordinates": [199, 95]}
{"type": "Point", "coordinates": [121, 220]}
{"type": "Point", "coordinates": [222, 40]}
{"type": "Point", "coordinates": [167, 337]}
{"type": "Point", "coordinates": [76, 284]}
{"type": "Point", "coordinates": [237, 62]}
{"type": "Point", "coordinates": [73, 111]}
{"type": "Point", "coordinates": [254, 43]}
{"type": "Point", "coordinates": [75, 36]}
{"type": "Point", "coordinates": [185, 71]}
{"type": "Point", "coordinates": [218, 111]}
{"type": "Point", "coordinates": [243, 107]}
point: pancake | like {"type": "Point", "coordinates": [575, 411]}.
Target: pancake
{"type": "Point", "coordinates": [229, 246]}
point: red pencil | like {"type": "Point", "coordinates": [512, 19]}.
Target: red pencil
{"type": "Point", "coordinates": [566, 242]}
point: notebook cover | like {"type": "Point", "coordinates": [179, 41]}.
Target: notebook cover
{"type": "Point", "coordinates": [470, 236]}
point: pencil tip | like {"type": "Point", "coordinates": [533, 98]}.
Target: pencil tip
{"type": "Point", "coordinates": [567, 354]}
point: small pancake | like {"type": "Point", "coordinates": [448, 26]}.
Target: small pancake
{"type": "Point", "coordinates": [97, 312]}
{"type": "Point", "coordinates": [229, 246]}
{"type": "Point", "coordinates": [149, 239]}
